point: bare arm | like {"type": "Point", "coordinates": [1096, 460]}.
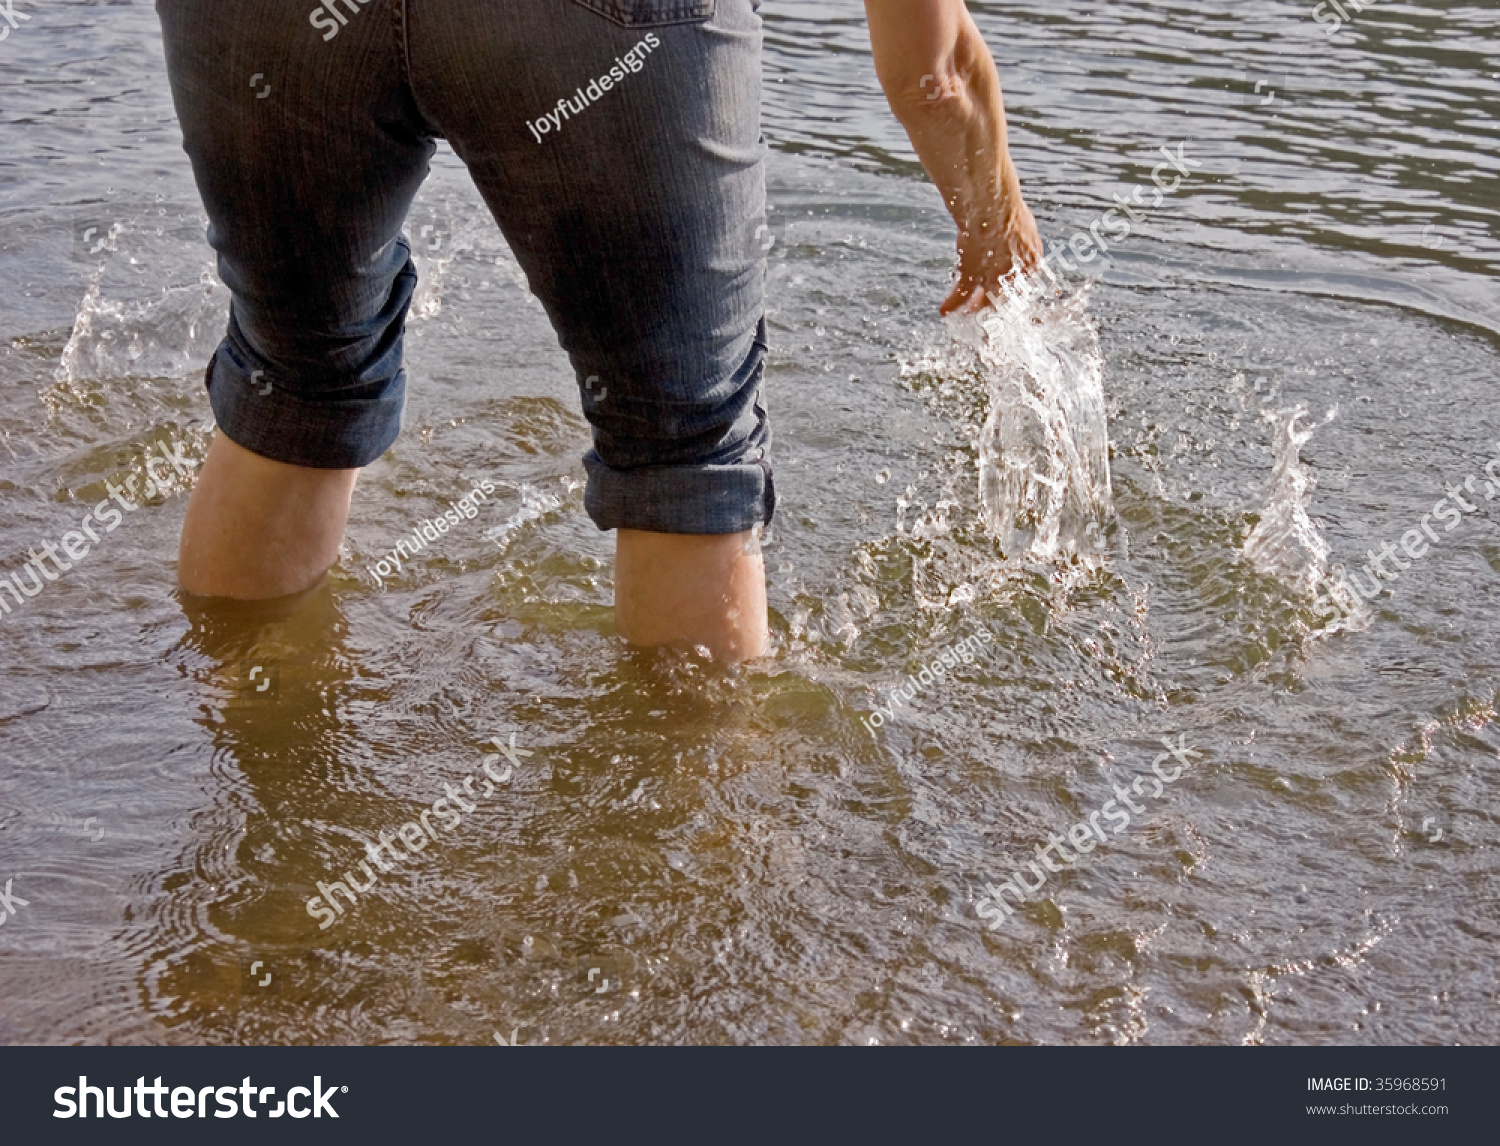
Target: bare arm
{"type": "Point", "coordinates": [941, 82]}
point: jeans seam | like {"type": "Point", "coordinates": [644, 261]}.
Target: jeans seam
{"type": "Point", "coordinates": [680, 12]}
{"type": "Point", "coordinates": [403, 46]}
{"type": "Point", "coordinates": [402, 27]}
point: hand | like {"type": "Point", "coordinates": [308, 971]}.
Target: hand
{"type": "Point", "coordinates": [942, 84]}
{"type": "Point", "coordinates": [991, 251]}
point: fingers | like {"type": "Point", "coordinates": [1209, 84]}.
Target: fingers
{"type": "Point", "coordinates": [1018, 252]}
{"type": "Point", "coordinates": [1005, 247]}
{"type": "Point", "coordinates": [963, 299]}
{"type": "Point", "coordinates": [975, 290]}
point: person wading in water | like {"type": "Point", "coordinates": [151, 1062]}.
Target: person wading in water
{"type": "Point", "coordinates": [638, 218]}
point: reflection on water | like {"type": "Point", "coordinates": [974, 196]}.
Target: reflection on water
{"type": "Point", "coordinates": [1112, 477]}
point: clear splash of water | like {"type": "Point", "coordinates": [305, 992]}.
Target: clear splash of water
{"type": "Point", "coordinates": [154, 305]}
{"type": "Point", "coordinates": [1044, 447]}
{"type": "Point", "coordinates": [441, 231]}
{"type": "Point", "coordinates": [169, 335]}
{"type": "Point", "coordinates": [1287, 543]}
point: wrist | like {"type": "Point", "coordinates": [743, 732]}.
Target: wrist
{"type": "Point", "coordinates": [987, 201]}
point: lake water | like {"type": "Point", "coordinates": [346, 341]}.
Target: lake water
{"type": "Point", "coordinates": [1293, 356]}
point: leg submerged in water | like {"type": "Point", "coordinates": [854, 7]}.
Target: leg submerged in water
{"type": "Point", "coordinates": [695, 589]}
{"type": "Point", "coordinates": [257, 528]}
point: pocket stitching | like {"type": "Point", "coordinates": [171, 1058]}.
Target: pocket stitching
{"type": "Point", "coordinates": [661, 14]}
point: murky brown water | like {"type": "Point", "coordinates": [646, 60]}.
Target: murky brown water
{"type": "Point", "coordinates": [733, 851]}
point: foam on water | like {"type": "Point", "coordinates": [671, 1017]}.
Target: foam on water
{"type": "Point", "coordinates": [535, 504]}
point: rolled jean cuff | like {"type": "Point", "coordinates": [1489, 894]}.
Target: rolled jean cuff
{"type": "Point", "coordinates": [269, 420]}
{"type": "Point", "coordinates": [703, 499]}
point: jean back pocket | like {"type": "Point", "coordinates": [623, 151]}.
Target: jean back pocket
{"type": "Point", "coordinates": [651, 13]}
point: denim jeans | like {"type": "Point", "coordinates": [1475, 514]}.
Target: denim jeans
{"type": "Point", "coordinates": [617, 144]}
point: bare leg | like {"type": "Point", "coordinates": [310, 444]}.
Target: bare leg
{"type": "Point", "coordinates": [257, 529]}
{"type": "Point", "coordinates": [692, 589]}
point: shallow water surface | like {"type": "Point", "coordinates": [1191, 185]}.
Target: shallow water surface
{"type": "Point", "coordinates": [1295, 354]}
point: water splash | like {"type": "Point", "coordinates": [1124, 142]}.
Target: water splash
{"type": "Point", "coordinates": [130, 326]}
{"type": "Point", "coordinates": [535, 505]}
{"type": "Point", "coordinates": [438, 234]}
{"type": "Point", "coordinates": [1044, 445]}
{"type": "Point", "coordinates": [170, 335]}
{"type": "Point", "coordinates": [1286, 543]}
